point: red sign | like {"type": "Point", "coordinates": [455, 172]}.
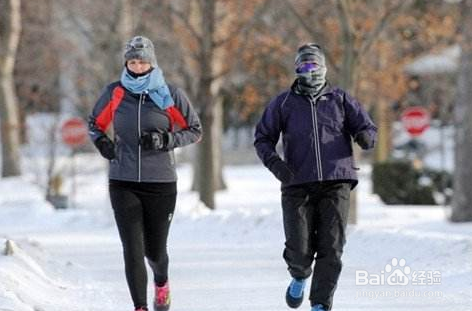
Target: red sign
{"type": "Point", "coordinates": [415, 120]}
{"type": "Point", "coordinates": [74, 132]}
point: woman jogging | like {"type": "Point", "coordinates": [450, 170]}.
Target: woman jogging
{"type": "Point", "coordinates": [149, 119]}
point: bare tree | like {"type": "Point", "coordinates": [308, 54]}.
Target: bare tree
{"type": "Point", "coordinates": [352, 58]}
{"type": "Point", "coordinates": [212, 39]}
{"type": "Point", "coordinates": [36, 68]}
{"type": "Point", "coordinates": [90, 36]}
{"type": "Point", "coordinates": [10, 31]}
{"type": "Point", "coordinates": [462, 200]}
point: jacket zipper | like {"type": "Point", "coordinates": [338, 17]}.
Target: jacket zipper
{"type": "Point", "coordinates": [141, 97]}
{"type": "Point", "coordinates": [314, 119]}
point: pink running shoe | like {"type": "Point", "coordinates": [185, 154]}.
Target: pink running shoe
{"type": "Point", "coordinates": [162, 298]}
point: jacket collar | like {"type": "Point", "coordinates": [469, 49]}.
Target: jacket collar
{"type": "Point", "coordinates": [327, 89]}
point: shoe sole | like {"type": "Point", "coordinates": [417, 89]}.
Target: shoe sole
{"type": "Point", "coordinates": [161, 308]}
{"type": "Point", "coordinates": [293, 302]}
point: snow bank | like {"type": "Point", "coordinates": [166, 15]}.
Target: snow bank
{"type": "Point", "coordinates": [25, 285]}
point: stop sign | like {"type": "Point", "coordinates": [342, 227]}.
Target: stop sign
{"type": "Point", "coordinates": [415, 120]}
{"type": "Point", "coordinates": [74, 132]}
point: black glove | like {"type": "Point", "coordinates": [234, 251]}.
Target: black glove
{"type": "Point", "coordinates": [364, 140]}
{"type": "Point", "coordinates": [281, 170]}
{"type": "Point", "coordinates": [154, 140]}
{"type": "Point", "coordinates": [106, 147]}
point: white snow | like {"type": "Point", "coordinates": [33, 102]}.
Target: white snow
{"type": "Point", "coordinates": [445, 61]}
{"type": "Point", "coordinates": [227, 259]}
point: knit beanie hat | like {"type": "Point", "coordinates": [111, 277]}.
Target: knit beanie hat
{"type": "Point", "coordinates": [310, 52]}
{"type": "Point", "coordinates": [140, 47]}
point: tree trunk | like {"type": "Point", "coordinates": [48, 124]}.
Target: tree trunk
{"type": "Point", "coordinates": [206, 169]}
{"type": "Point", "coordinates": [126, 26]}
{"type": "Point", "coordinates": [383, 119]}
{"type": "Point", "coordinates": [217, 139]}
{"type": "Point", "coordinates": [216, 132]}
{"type": "Point", "coordinates": [9, 116]}
{"type": "Point", "coordinates": [206, 98]}
{"type": "Point", "coordinates": [384, 124]}
{"type": "Point", "coordinates": [346, 80]}
{"type": "Point", "coordinates": [348, 65]}
{"type": "Point", "coordinates": [462, 200]}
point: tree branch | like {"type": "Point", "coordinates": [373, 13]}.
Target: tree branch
{"type": "Point", "coordinates": [74, 19]}
{"type": "Point", "coordinates": [243, 27]}
{"type": "Point", "coordinates": [309, 29]}
{"type": "Point", "coordinates": [343, 10]}
{"type": "Point", "coordinates": [384, 20]}
{"type": "Point", "coordinates": [344, 18]}
{"type": "Point", "coordinates": [185, 20]}
{"type": "Point", "coordinates": [221, 73]}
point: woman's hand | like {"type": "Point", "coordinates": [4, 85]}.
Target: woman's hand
{"type": "Point", "coordinates": [154, 140]}
{"type": "Point", "coordinates": [106, 147]}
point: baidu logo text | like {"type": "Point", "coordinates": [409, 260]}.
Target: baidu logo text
{"type": "Point", "coordinates": [397, 273]}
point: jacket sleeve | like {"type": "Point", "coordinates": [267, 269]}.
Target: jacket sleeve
{"type": "Point", "coordinates": [267, 133]}
{"type": "Point", "coordinates": [190, 129]}
{"type": "Point", "coordinates": [100, 118]}
{"type": "Point", "coordinates": [359, 123]}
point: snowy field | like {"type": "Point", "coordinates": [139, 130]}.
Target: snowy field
{"type": "Point", "coordinates": [409, 258]}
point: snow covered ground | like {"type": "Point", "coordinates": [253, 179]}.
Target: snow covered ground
{"type": "Point", "coordinates": [225, 260]}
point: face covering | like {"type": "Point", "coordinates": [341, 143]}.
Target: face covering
{"type": "Point", "coordinates": [311, 75]}
{"type": "Point", "coordinates": [310, 68]}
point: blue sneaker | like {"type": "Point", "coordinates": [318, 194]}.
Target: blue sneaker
{"type": "Point", "coordinates": [294, 295]}
{"type": "Point", "coordinates": [319, 307]}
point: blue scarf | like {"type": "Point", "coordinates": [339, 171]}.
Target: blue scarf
{"type": "Point", "coordinates": [153, 83]}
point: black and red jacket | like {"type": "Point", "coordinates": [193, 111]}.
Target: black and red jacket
{"type": "Point", "coordinates": [129, 115]}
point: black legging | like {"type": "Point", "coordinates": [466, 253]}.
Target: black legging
{"type": "Point", "coordinates": [143, 214]}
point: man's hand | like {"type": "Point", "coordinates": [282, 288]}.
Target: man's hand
{"type": "Point", "coordinates": [364, 140]}
{"type": "Point", "coordinates": [281, 170]}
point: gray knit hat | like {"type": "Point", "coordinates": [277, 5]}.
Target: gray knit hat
{"type": "Point", "coordinates": [140, 47]}
{"type": "Point", "coordinates": [310, 52]}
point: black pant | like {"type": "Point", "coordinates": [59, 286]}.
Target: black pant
{"type": "Point", "coordinates": [315, 218]}
{"type": "Point", "coordinates": [143, 214]}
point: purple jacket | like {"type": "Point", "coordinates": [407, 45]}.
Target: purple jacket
{"type": "Point", "coordinates": [316, 134]}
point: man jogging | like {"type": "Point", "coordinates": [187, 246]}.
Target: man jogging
{"type": "Point", "coordinates": [318, 123]}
